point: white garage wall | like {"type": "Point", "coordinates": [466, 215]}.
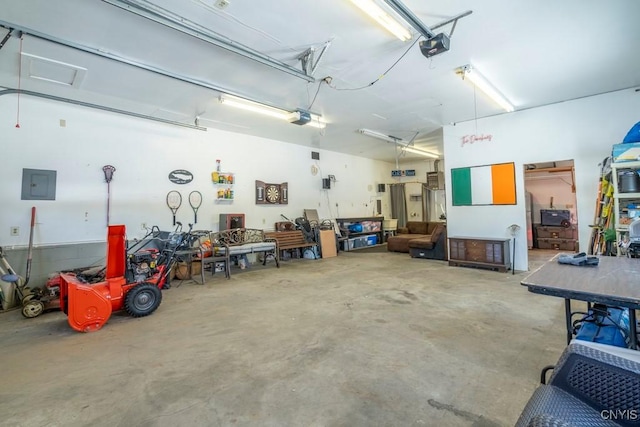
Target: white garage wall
{"type": "Point", "coordinates": [144, 152]}
{"type": "Point", "coordinates": [583, 130]}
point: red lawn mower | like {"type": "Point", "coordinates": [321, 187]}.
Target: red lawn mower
{"type": "Point", "coordinates": [132, 281]}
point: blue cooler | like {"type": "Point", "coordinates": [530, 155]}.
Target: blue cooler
{"type": "Point", "coordinates": [610, 329]}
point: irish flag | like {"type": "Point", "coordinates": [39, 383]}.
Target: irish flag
{"type": "Point", "coordinates": [484, 185]}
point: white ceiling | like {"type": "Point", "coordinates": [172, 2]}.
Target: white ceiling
{"type": "Point", "coordinates": [535, 52]}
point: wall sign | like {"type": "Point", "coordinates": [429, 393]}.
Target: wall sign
{"type": "Point", "coordinates": [470, 139]}
{"type": "Point", "coordinates": [180, 176]}
{"type": "Point", "coordinates": [406, 172]}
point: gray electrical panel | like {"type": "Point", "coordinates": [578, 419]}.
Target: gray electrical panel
{"type": "Point", "coordinates": [38, 184]}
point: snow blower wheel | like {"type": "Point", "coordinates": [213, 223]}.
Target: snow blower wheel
{"type": "Point", "coordinates": [142, 300]}
{"type": "Point", "coordinates": [33, 308]}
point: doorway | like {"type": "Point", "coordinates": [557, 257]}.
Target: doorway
{"type": "Point", "coordinates": [550, 196]}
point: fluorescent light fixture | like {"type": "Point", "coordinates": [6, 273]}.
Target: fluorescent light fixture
{"type": "Point", "coordinates": [316, 122]}
{"type": "Point", "coordinates": [421, 152]}
{"type": "Point", "coordinates": [383, 18]}
{"type": "Point", "coordinates": [470, 73]}
{"type": "Point", "coordinates": [267, 110]}
{"type": "Point", "coordinates": [399, 141]}
{"type": "Point", "coordinates": [411, 19]}
{"type": "Point", "coordinates": [382, 136]}
{"type": "Point", "coordinates": [245, 104]}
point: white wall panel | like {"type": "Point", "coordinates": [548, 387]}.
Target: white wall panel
{"type": "Point", "coordinates": [144, 152]}
{"type": "Point", "coordinates": [583, 130]}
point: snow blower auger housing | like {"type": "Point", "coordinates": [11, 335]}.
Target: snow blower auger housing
{"type": "Point", "coordinates": [133, 284]}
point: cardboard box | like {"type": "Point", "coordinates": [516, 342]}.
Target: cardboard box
{"type": "Point", "coordinates": [626, 152]}
{"type": "Point", "coordinates": [182, 271]}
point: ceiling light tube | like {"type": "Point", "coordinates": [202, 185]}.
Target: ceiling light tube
{"type": "Point", "coordinates": [267, 110]}
{"type": "Point", "coordinates": [383, 18]}
{"type": "Point", "coordinates": [470, 73]}
{"type": "Point", "coordinates": [421, 152]}
{"type": "Point", "coordinates": [317, 122]}
{"type": "Point", "coordinates": [408, 16]}
{"type": "Point", "coordinates": [382, 136]}
{"type": "Point", "coordinates": [256, 107]}
{"type": "Point", "coordinates": [399, 141]}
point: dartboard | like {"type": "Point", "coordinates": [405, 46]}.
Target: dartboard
{"type": "Point", "coordinates": [272, 194]}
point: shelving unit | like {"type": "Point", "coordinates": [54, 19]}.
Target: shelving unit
{"type": "Point", "coordinates": [621, 200]}
{"type": "Point", "coordinates": [371, 226]}
{"type": "Point", "coordinates": [224, 186]}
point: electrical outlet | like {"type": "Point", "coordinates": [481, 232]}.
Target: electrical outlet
{"type": "Point", "coordinates": [222, 4]}
{"type": "Point", "coordinates": [264, 221]}
{"type": "Point", "coordinates": [143, 226]}
{"type": "Point", "coordinates": [15, 230]}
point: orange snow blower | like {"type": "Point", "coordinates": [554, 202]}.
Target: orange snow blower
{"type": "Point", "coordinates": [132, 281]}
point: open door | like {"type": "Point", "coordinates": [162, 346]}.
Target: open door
{"type": "Point", "coordinates": [550, 198]}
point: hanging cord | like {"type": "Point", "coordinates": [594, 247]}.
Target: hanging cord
{"type": "Point", "coordinates": [381, 75]}
{"type": "Point", "coordinates": [475, 109]}
{"type": "Point", "coordinates": [19, 83]}
{"type": "Point", "coordinates": [317, 92]}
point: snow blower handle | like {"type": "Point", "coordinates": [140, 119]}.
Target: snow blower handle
{"type": "Point", "coordinates": [30, 252]}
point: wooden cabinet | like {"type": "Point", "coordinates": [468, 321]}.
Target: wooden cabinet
{"type": "Point", "coordinates": [479, 252]}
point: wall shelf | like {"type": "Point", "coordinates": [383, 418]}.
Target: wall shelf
{"type": "Point", "coordinates": [620, 212]}
{"type": "Point", "coordinates": [371, 226]}
{"type": "Point", "coordinates": [223, 183]}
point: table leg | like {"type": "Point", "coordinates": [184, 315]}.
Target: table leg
{"type": "Point", "coordinates": [567, 313]}
{"type": "Point", "coordinates": [633, 342]}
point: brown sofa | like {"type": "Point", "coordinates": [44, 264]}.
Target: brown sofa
{"type": "Point", "coordinates": [421, 240]}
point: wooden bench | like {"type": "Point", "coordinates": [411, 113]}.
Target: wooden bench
{"type": "Point", "coordinates": [290, 240]}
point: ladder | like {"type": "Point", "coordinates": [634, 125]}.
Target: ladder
{"type": "Point", "coordinates": [603, 210]}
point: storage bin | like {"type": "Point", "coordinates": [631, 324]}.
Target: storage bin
{"type": "Point", "coordinates": [557, 244]}
{"type": "Point", "coordinates": [555, 217]}
{"type": "Point", "coordinates": [608, 325]}
{"type": "Point", "coordinates": [547, 232]}
{"type": "Point", "coordinates": [359, 242]}
{"type": "Point", "coordinates": [629, 152]}
{"type": "Point", "coordinates": [346, 245]}
{"type": "Point", "coordinates": [372, 240]}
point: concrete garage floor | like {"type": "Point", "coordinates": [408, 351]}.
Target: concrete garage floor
{"type": "Point", "coordinates": [364, 339]}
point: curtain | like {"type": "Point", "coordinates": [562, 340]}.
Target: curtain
{"type": "Point", "coordinates": [426, 203]}
{"type": "Point", "coordinates": [398, 203]}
